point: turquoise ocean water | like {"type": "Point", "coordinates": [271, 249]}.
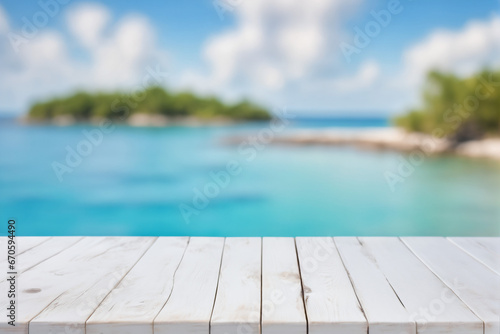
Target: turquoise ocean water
{"type": "Point", "coordinates": [148, 181]}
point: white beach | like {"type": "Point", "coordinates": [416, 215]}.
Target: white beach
{"type": "Point", "coordinates": [392, 139]}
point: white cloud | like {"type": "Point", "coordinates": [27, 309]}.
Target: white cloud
{"type": "Point", "coordinates": [114, 56]}
{"type": "Point", "coordinates": [364, 78]}
{"type": "Point", "coordinates": [4, 22]}
{"type": "Point", "coordinates": [290, 49]}
{"type": "Point", "coordinates": [121, 58]}
{"type": "Point", "coordinates": [119, 54]}
{"type": "Point", "coordinates": [280, 52]}
{"type": "Point", "coordinates": [87, 23]}
{"type": "Point", "coordinates": [276, 42]}
{"type": "Point", "coordinates": [462, 52]}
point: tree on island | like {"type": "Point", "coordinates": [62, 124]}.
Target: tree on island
{"type": "Point", "coordinates": [83, 106]}
{"type": "Point", "coordinates": [461, 109]}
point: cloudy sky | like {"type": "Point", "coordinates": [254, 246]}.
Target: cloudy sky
{"type": "Point", "coordinates": [316, 56]}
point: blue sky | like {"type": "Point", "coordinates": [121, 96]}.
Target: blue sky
{"type": "Point", "coordinates": [279, 53]}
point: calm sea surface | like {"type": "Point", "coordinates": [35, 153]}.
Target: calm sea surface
{"type": "Point", "coordinates": [189, 181]}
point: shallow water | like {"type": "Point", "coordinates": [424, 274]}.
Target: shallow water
{"type": "Point", "coordinates": [137, 180]}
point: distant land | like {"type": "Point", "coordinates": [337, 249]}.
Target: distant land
{"type": "Point", "coordinates": [459, 109]}
{"type": "Point", "coordinates": [151, 106]}
{"type": "Point", "coordinates": [457, 116]}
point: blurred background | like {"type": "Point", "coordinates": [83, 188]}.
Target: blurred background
{"type": "Point", "coordinates": [250, 117]}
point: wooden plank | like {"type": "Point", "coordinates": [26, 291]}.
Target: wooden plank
{"type": "Point", "coordinates": [41, 252]}
{"type": "Point", "coordinates": [475, 284]}
{"type": "Point", "coordinates": [23, 244]}
{"type": "Point", "coordinates": [238, 300]}
{"type": "Point", "coordinates": [215, 286]}
{"type": "Point", "coordinates": [191, 302]}
{"type": "Point", "coordinates": [330, 301]}
{"type": "Point", "coordinates": [282, 303]}
{"type": "Point", "coordinates": [381, 305]}
{"type": "Point", "coordinates": [133, 305]}
{"type": "Point", "coordinates": [88, 264]}
{"type": "Point", "coordinates": [27, 243]}
{"type": "Point", "coordinates": [3, 249]}
{"type": "Point", "coordinates": [36, 297]}
{"type": "Point", "coordinates": [431, 304]}
{"type": "Point", "coordinates": [485, 250]}
{"type": "Point", "coordinates": [97, 276]}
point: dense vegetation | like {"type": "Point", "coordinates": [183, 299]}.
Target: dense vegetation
{"type": "Point", "coordinates": [461, 109]}
{"type": "Point", "coordinates": [153, 100]}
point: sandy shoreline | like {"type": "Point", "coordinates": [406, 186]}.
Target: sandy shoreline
{"type": "Point", "coordinates": [392, 139]}
{"type": "Point", "coordinates": [136, 120]}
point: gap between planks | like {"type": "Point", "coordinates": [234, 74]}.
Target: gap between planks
{"type": "Point", "coordinates": [262, 255]}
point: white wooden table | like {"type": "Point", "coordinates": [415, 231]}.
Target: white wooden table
{"type": "Point", "coordinates": [131, 285]}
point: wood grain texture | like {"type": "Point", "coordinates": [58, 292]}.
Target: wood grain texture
{"type": "Point", "coordinates": [476, 285]}
{"type": "Point", "coordinates": [431, 304]}
{"type": "Point", "coordinates": [131, 285]}
{"type": "Point", "coordinates": [96, 278]}
{"type": "Point", "coordinates": [381, 305]}
{"type": "Point", "coordinates": [485, 250]}
{"type": "Point", "coordinates": [282, 303]}
{"type": "Point", "coordinates": [40, 252]}
{"type": "Point", "coordinates": [189, 308]}
{"type": "Point", "coordinates": [27, 243]}
{"type": "Point", "coordinates": [237, 304]}
{"type": "Point", "coordinates": [330, 301]}
{"type": "Point", "coordinates": [58, 281]}
{"type": "Point", "coordinates": [37, 289]}
{"type": "Point", "coordinates": [133, 305]}
{"type": "Point", "coordinates": [23, 244]}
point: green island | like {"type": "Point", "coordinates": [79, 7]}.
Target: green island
{"type": "Point", "coordinates": [460, 109]}
{"type": "Point", "coordinates": [151, 101]}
